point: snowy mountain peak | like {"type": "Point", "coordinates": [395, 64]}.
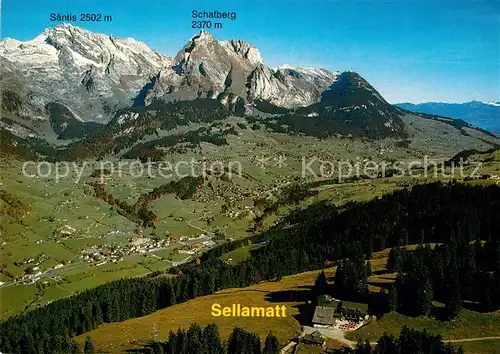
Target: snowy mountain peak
{"type": "Point", "coordinates": [204, 46]}
{"type": "Point", "coordinates": [307, 71]}
{"type": "Point", "coordinates": [88, 72]}
{"type": "Point", "coordinates": [93, 74]}
{"type": "Point", "coordinates": [204, 35]}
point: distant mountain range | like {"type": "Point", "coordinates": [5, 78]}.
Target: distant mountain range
{"type": "Point", "coordinates": [94, 74]}
{"type": "Point", "coordinates": [108, 95]}
{"type": "Point", "coordinates": [69, 79]}
{"type": "Point", "coordinates": [484, 115]}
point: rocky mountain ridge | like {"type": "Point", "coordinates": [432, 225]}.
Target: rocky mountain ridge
{"type": "Point", "coordinates": [67, 80]}
{"type": "Point", "coordinates": [233, 72]}
{"type": "Point", "coordinates": [93, 74]}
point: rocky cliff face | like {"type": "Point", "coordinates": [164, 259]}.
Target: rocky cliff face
{"type": "Point", "coordinates": [93, 75]}
{"type": "Point", "coordinates": [233, 70]}
{"type": "Point", "coordinates": [208, 68]}
{"type": "Point", "coordinates": [67, 80]}
{"type": "Point", "coordinates": [289, 86]}
{"type": "Point", "coordinates": [89, 73]}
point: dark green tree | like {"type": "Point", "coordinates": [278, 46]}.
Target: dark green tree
{"type": "Point", "coordinates": [211, 340]}
{"type": "Point", "coordinates": [320, 285]}
{"type": "Point", "coordinates": [368, 268]}
{"type": "Point", "coordinates": [392, 297]}
{"type": "Point", "coordinates": [395, 259]}
{"type": "Point", "coordinates": [387, 345]}
{"type": "Point", "coordinates": [88, 347]}
{"type": "Point", "coordinates": [194, 340]}
{"type": "Point", "coordinates": [271, 345]}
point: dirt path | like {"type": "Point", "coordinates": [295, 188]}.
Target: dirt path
{"type": "Point", "coordinates": [288, 347]}
{"type": "Point", "coordinates": [470, 339]}
{"type": "Point", "coordinates": [332, 333]}
{"type": "Point", "coordinates": [340, 336]}
{"type": "Point", "coordinates": [188, 223]}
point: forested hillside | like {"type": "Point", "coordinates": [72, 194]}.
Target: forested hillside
{"type": "Point", "coordinates": [126, 128]}
{"type": "Point", "coordinates": [409, 342]}
{"type": "Point", "coordinates": [207, 341]}
{"type": "Point", "coordinates": [304, 240]}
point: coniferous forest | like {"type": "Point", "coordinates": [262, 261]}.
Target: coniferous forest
{"type": "Point", "coordinates": [409, 342]}
{"type": "Point", "coordinates": [451, 273]}
{"type": "Point", "coordinates": [463, 218]}
{"type": "Point", "coordinates": [207, 341]}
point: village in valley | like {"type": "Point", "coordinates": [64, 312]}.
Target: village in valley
{"type": "Point", "coordinates": [99, 255]}
{"type": "Point", "coordinates": [89, 240]}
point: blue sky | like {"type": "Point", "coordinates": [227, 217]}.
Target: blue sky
{"type": "Point", "coordinates": [409, 50]}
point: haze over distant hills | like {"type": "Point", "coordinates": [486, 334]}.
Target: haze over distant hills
{"type": "Point", "coordinates": [485, 115]}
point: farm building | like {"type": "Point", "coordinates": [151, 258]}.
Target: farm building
{"type": "Point", "coordinates": [332, 312]}
{"type": "Point", "coordinates": [314, 338]}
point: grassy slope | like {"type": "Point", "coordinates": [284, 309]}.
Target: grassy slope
{"type": "Point", "coordinates": [68, 204]}
{"type": "Point", "coordinates": [468, 324]}
{"type": "Point", "coordinates": [116, 337]}
{"type": "Point", "coordinates": [483, 347]}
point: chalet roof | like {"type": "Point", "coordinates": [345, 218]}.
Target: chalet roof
{"type": "Point", "coordinates": [317, 334]}
{"type": "Point", "coordinates": [348, 305]}
{"type": "Point", "coordinates": [325, 315]}
{"type": "Point", "coordinates": [315, 337]}
{"type": "Point", "coordinates": [328, 301]}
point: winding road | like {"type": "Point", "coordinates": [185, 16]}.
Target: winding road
{"type": "Point", "coordinates": [339, 335]}
{"type": "Point", "coordinates": [470, 339]}
{"type": "Point", "coordinates": [188, 223]}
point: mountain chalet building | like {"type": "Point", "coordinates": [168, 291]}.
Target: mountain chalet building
{"type": "Point", "coordinates": [345, 315]}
